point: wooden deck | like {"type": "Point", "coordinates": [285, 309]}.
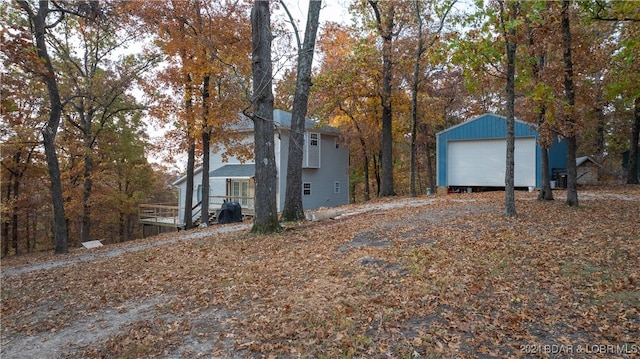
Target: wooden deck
{"type": "Point", "coordinates": [164, 215]}
{"type": "Point", "coordinates": [160, 215]}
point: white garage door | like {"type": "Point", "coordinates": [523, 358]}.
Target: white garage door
{"type": "Point", "coordinates": [483, 162]}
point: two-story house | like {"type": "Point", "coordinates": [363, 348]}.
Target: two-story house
{"type": "Point", "coordinates": [325, 170]}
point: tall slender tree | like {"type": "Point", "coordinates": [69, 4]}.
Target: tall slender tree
{"type": "Point", "coordinates": [572, 145]}
{"type": "Point", "coordinates": [536, 52]}
{"type": "Point", "coordinates": [345, 92]}
{"type": "Point", "coordinates": [94, 91]}
{"type": "Point", "coordinates": [385, 24]}
{"type": "Point", "coordinates": [207, 46]}
{"type": "Point", "coordinates": [421, 47]}
{"type": "Point", "coordinates": [39, 26]}
{"type": "Point", "coordinates": [508, 14]}
{"type": "Point", "coordinates": [293, 209]}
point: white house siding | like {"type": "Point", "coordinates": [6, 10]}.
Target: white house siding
{"type": "Point", "coordinates": [217, 186]}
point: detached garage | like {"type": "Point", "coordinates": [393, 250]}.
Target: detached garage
{"type": "Point", "coordinates": [473, 154]}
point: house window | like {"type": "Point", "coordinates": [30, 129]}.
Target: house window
{"type": "Point", "coordinates": [306, 189]}
{"type": "Point", "coordinates": [311, 150]}
{"type": "Point", "coordinates": [240, 192]}
{"type": "Point", "coordinates": [336, 187]}
{"type": "Point", "coordinates": [199, 193]}
{"type": "Point", "coordinates": [337, 143]}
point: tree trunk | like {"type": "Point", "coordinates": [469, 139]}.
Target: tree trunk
{"type": "Point", "coordinates": [352, 191]}
{"type": "Point", "coordinates": [385, 28]}
{"type": "Point", "coordinates": [293, 210]}
{"type": "Point", "coordinates": [121, 227]}
{"type": "Point", "coordinates": [632, 175]}
{"type": "Point", "coordinates": [16, 197]}
{"type": "Point", "coordinates": [188, 196]}
{"type": "Point", "coordinates": [572, 174]}
{"type": "Point", "coordinates": [204, 209]}
{"type": "Point", "coordinates": [546, 194]}
{"type": "Point", "coordinates": [414, 104]}
{"type": "Point", "coordinates": [376, 173]}
{"type": "Point", "coordinates": [5, 224]}
{"type": "Point", "coordinates": [599, 117]}
{"type": "Point", "coordinates": [365, 156]}
{"type": "Point", "coordinates": [430, 172]}
{"type": "Point", "coordinates": [191, 155]}
{"type": "Point", "coordinates": [367, 186]}
{"type": "Point", "coordinates": [266, 214]}
{"type": "Point", "coordinates": [27, 236]}
{"type": "Point", "coordinates": [511, 46]}
{"type": "Point", "coordinates": [38, 22]}
{"type": "Point", "coordinates": [206, 140]}
{"type": "Point", "coordinates": [85, 224]}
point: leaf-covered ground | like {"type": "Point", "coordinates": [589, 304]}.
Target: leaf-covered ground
{"type": "Point", "coordinates": [398, 278]}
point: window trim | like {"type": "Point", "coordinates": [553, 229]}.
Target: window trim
{"type": "Point", "coordinates": [306, 188]}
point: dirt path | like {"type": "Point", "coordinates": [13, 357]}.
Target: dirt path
{"type": "Point", "coordinates": [107, 252]}
{"type": "Point", "coordinates": [208, 334]}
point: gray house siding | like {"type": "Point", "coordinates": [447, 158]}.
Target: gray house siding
{"type": "Point", "coordinates": [333, 167]}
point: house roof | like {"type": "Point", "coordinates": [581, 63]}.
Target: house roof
{"type": "Point", "coordinates": [583, 159]}
{"type": "Point", "coordinates": [234, 171]}
{"type": "Point", "coordinates": [184, 178]}
{"type": "Point", "coordinates": [282, 121]}
{"type": "Point", "coordinates": [226, 171]}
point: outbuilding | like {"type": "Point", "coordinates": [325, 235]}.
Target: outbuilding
{"type": "Point", "coordinates": [587, 170]}
{"type": "Point", "coordinates": [472, 154]}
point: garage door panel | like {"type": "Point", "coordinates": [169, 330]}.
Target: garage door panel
{"type": "Point", "coordinates": [482, 163]}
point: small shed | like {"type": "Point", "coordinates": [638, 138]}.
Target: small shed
{"type": "Point", "coordinates": [473, 154]}
{"type": "Point", "coordinates": [588, 170]}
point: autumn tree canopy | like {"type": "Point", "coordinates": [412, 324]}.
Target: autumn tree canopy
{"type": "Point", "coordinates": [88, 86]}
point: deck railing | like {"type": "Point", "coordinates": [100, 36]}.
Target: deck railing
{"type": "Point", "coordinates": [169, 215]}
{"type": "Point", "coordinates": [247, 203]}
{"type": "Point", "coordinates": [159, 214]}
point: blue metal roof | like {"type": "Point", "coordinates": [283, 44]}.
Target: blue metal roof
{"type": "Point", "coordinates": [487, 126]}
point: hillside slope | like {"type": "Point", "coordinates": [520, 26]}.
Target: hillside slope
{"type": "Point", "coordinates": [400, 277]}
